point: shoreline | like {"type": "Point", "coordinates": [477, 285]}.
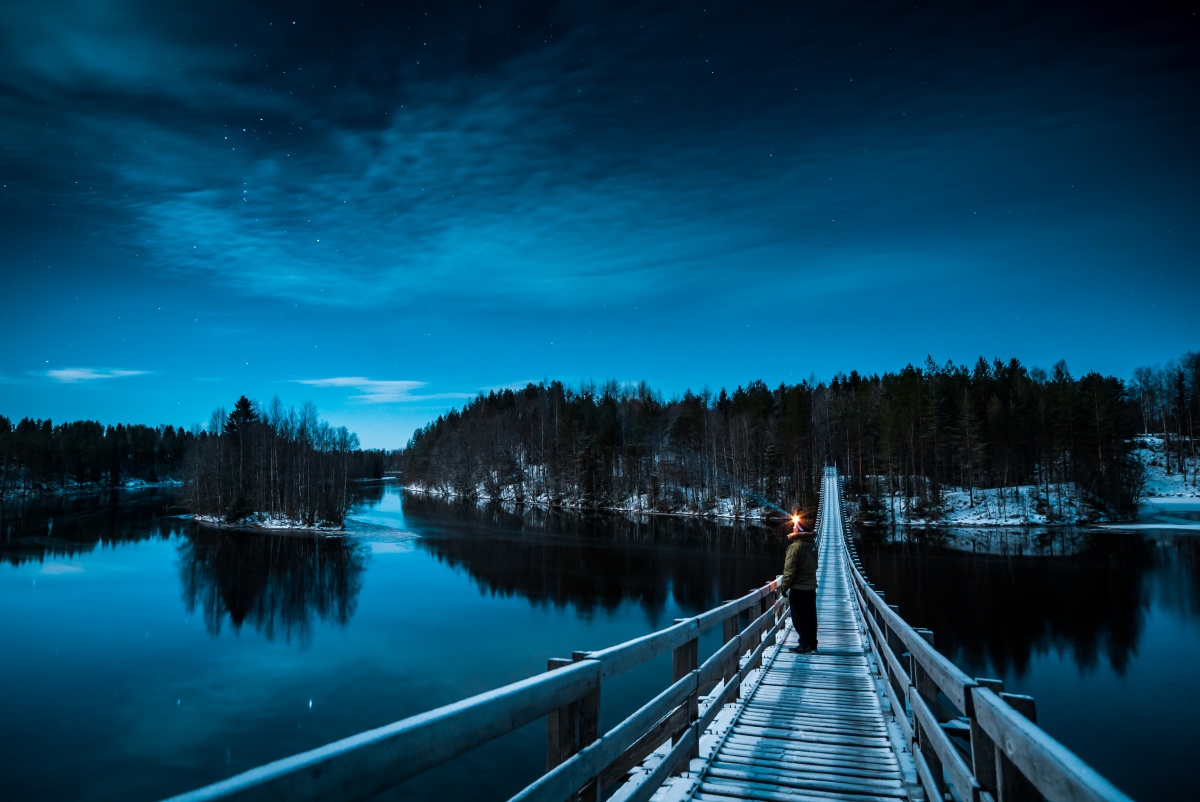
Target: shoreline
{"type": "Point", "coordinates": [273, 525]}
{"type": "Point", "coordinates": [30, 494]}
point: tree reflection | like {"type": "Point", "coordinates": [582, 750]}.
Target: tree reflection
{"type": "Point", "coordinates": [995, 612]}
{"type": "Point", "coordinates": [64, 526]}
{"type": "Point", "coordinates": [277, 583]}
{"type": "Point", "coordinates": [597, 562]}
{"type": "Point", "coordinates": [366, 493]}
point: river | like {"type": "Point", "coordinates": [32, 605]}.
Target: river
{"type": "Point", "coordinates": [146, 655]}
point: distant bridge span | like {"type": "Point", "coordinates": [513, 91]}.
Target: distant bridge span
{"type": "Point", "coordinates": [875, 715]}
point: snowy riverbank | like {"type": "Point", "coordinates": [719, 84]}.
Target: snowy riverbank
{"type": "Point", "coordinates": [1164, 497]}
{"type": "Point", "coordinates": [724, 509]}
{"type": "Point", "coordinates": [79, 488]}
{"type": "Point", "coordinates": [268, 522]}
{"type": "Point", "coordinates": [1020, 506]}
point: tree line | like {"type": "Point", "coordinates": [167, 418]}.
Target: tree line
{"type": "Point", "coordinates": [908, 435]}
{"type": "Point", "coordinates": [269, 462]}
{"type": "Point", "coordinates": [36, 455]}
{"type": "Point", "coordinates": [603, 445]}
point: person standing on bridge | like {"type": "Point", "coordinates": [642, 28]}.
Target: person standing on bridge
{"type": "Point", "coordinates": [799, 583]}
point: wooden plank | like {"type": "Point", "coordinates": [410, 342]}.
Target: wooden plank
{"type": "Point", "coordinates": [928, 781]}
{"type": "Point", "coordinates": [727, 694]}
{"type": "Point", "coordinates": [784, 781]}
{"type": "Point", "coordinates": [800, 736]}
{"type": "Point", "coordinates": [952, 764]}
{"type": "Point", "coordinates": [823, 768]}
{"type": "Point", "coordinates": [805, 723]}
{"type": "Point", "coordinates": [820, 713]}
{"type": "Point", "coordinates": [815, 772]}
{"type": "Point", "coordinates": [655, 778]}
{"type": "Point", "coordinates": [782, 784]}
{"type": "Point", "coordinates": [732, 790]}
{"type": "Point", "coordinates": [898, 712]}
{"type": "Point", "coordinates": [663, 731]}
{"type": "Point", "coordinates": [827, 704]}
{"type": "Point", "coordinates": [1053, 769]}
{"type": "Point", "coordinates": [365, 764]}
{"type": "Point", "coordinates": [879, 757]}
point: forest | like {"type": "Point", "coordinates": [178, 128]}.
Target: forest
{"type": "Point", "coordinates": [271, 462]}
{"type": "Point", "coordinates": [909, 435]}
{"type": "Point", "coordinates": [904, 437]}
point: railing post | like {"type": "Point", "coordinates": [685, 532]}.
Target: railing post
{"type": "Point", "coordinates": [573, 727]}
{"type": "Point", "coordinates": [729, 631]}
{"type": "Point", "coordinates": [561, 726]}
{"type": "Point", "coordinates": [1011, 784]}
{"type": "Point", "coordinates": [756, 610]}
{"type": "Point", "coordinates": [685, 660]}
{"type": "Point", "coordinates": [589, 732]}
{"type": "Point", "coordinates": [983, 749]}
{"type": "Point", "coordinates": [894, 640]}
{"type": "Point", "coordinates": [927, 690]}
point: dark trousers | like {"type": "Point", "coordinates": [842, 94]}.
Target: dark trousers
{"type": "Point", "coordinates": [804, 616]}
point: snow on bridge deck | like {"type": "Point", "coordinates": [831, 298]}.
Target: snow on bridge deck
{"type": "Point", "coordinates": [813, 726]}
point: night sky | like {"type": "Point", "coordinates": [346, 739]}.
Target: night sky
{"type": "Point", "coordinates": [385, 208]}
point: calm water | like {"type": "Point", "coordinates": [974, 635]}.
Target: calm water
{"type": "Point", "coordinates": [1101, 627]}
{"type": "Point", "coordinates": [145, 656]}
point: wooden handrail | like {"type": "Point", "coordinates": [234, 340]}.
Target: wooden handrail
{"type": "Point", "coordinates": [363, 765]}
{"type": "Point", "coordinates": [1053, 769]}
{"type": "Point", "coordinates": [681, 723]}
{"type": "Point", "coordinates": [1010, 758]}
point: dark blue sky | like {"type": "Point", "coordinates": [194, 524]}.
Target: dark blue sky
{"type": "Point", "coordinates": [385, 208]}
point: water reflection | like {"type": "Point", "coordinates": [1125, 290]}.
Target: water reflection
{"type": "Point", "coordinates": [596, 562]}
{"type": "Point", "coordinates": [1086, 594]}
{"type": "Point", "coordinates": [369, 492]}
{"type": "Point", "coordinates": [277, 583]}
{"type": "Point", "coordinates": [36, 530]}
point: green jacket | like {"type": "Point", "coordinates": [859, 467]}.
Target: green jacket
{"type": "Point", "coordinates": [800, 565]}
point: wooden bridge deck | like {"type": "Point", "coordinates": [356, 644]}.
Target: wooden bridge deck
{"type": "Point", "coordinates": [815, 725]}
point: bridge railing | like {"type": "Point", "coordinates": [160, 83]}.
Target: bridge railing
{"type": "Point", "coordinates": [579, 759]}
{"type": "Point", "coordinates": [970, 741]}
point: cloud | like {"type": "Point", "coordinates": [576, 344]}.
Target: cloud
{"type": "Point", "coordinates": [376, 391]}
{"type": "Point", "coordinates": [554, 165]}
{"type": "Point", "coordinates": [74, 375]}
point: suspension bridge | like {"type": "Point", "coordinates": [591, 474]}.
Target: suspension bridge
{"type": "Point", "coordinates": [876, 714]}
